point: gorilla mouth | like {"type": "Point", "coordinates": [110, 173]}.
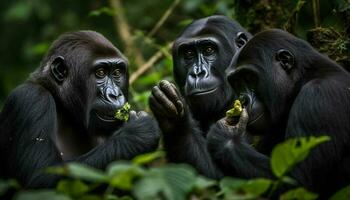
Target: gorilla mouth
{"type": "Point", "coordinates": [197, 92]}
{"type": "Point", "coordinates": [106, 118]}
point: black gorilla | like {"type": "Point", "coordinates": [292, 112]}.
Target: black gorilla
{"type": "Point", "coordinates": [291, 91]}
{"type": "Point", "coordinates": [201, 55]}
{"type": "Point", "coordinates": [65, 112]}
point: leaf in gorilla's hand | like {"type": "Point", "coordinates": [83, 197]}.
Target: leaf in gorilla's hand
{"type": "Point", "coordinates": [236, 110]}
{"type": "Point", "coordinates": [123, 113]}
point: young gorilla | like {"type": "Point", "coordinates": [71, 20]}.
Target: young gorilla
{"type": "Point", "coordinates": [65, 112]}
{"type": "Point", "coordinates": [201, 54]}
{"type": "Point", "coordinates": [293, 91]}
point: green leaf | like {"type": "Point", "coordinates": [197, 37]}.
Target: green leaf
{"type": "Point", "coordinates": [230, 188]}
{"type": "Point", "coordinates": [5, 185]}
{"type": "Point", "coordinates": [122, 174]}
{"type": "Point", "coordinates": [257, 187]}
{"type": "Point", "coordinates": [243, 189]}
{"type": "Point", "coordinates": [342, 194]}
{"type": "Point", "coordinates": [20, 11]}
{"type": "Point", "coordinates": [148, 157]}
{"type": "Point", "coordinates": [91, 197]}
{"type": "Point", "coordinates": [104, 10]}
{"type": "Point", "coordinates": [289, 180]}
{"type": "Point", "coordinates": [80, 171]}
{"type": "Point", "coordinates": [287, 154]}
{"type": "Point", "coordinates": [298, 194]}
{"type": "Point", "coordinates": [123, 113]}
{"type": "Point", "coordinates": [203, 183]}
{"type": "Point", "coordinates": [40, 49]}
{"type": "Point", "coordinates": [74, 188]}
{"type": "Point", "coordinates": [41, 194]}
{"type": "Point", "coordinates": [171, 182]}
{"type": "Point", "coordinates": [229, 183]}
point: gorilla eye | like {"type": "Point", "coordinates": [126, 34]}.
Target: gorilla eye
{"type": "Point", "coordinates": [209, 50]}
{"type": "Point", "coordinates": [100, 73]}
{"type": "Point", "coordinates": [116, 73]}
{"type": "Point", "coordinates": [189, 53]}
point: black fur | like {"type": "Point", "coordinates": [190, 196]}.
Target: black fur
{"type": "Point", "coordinates": [186, 140]}
{"type": "Point", "coordinates": [313, 98]}
{"type": "Point", "coordinates": [30, 119]}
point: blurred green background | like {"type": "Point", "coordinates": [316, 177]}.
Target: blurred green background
{"type": "Point", "coordinates": [144, 30]}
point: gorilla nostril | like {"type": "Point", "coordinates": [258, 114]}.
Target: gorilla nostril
{"type": "Point", "coordinates": [113, 96]}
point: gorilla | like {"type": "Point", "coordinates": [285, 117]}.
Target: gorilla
{"type": "Point", "coordinates": [65, 112]}
{"type": "Point", "coordinates": [290, 91]}
{"type": "Point", "coordinates": [201, 55]}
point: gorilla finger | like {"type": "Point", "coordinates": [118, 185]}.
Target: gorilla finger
{"type": "Point", "coordinates": [142, 114]}
{"type": "Point", "coordinates": [176, 90]}
{"type": "Point", "coordinates": [157, 108]}
{"type": "Point", "coordinates": [169, 90]}
{"type": "Point", "coordinates": [132, 115]}
{"type": "Point", "coordinates": [163, 100]}
{"type": "Point", "coordinates": [180, 103]}
{"type": "Point", "coordinates": [180, 107]}
{"type": "Point", "coordinates": [243, 121]}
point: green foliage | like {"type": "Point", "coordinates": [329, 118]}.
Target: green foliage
{"type": "Point", "coordinates": [298, 194]}
{"type": "Point", "coordinates": [79, 171]}
{"type": "Point", "coordinates": [233, 188]}
{"type": "Point", "coordinates": [173, 182]}
{"type": "Point", "coordinates": [123, 113]}
{"type": "Point", "coordinates": [41, 194]}
{"type": "Point", "coordinates": [6, 185]}
{"type": "Point", "coordinates": [342, 194]}
{"type": "Point", "coordinates": [148, 157]}
{"type": "Point", "coordinates": [176, 181]}
{"type": "Point", "coordinates": [236, 110]}
{"type": "Point", "coordinates": [287, 154]}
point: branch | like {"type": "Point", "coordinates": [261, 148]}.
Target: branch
{"type": "Point", "coordinates": [158, 55]}
{"type": "Point", "coordinates": [316, 12]}
{"type": "Point", "coordinates": [163, 18]}
{"type": "Point", "coordinates": [123, 29]}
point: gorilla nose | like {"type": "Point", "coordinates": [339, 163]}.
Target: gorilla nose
{"type": "Point", "coordinates": [112, 94]}
{"type": "Point", "coordinates": [199, 72]}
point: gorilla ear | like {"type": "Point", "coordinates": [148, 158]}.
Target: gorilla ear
{"type": "Point", "coordinates": [286, 59]}
{"type": "Point", "coordinates": [241, 39]}
{"type": "Point", "coordinates": [59, 69]}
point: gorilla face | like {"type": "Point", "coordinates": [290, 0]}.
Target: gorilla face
{"type": "Point", "coordinates": [94, 93]}
{"type": "Point", "coordinates": [264, 74]}
{"type": "Point", "coordinates": [201, 55]}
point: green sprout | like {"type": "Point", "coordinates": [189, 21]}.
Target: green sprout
{"type": "Point", "coordinates": [123, 113]}
{"type": "Point", "coordinates": [236, 110]}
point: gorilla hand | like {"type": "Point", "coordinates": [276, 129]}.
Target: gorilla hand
{"type": "Point", "coordinates": [167, 105]}
{"type": "Point", "coordinates": [237, 130]}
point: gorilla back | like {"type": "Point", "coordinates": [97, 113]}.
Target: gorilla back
{"type": "Point", "coordinates": [65, 112]}
{"type": "Point", "coordinates": [293, 91]}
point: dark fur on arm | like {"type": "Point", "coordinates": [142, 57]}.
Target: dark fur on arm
{"type": "Point", "coordinates": [135, 137]}
{"type": "Point", "coordinates": [235, 156]}
{"type": "Point", "coordinates": [188, 144]}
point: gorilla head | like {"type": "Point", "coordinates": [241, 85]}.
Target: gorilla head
{"type": "Point", "coordinates": [201, 55]}
{"type": "Point", "coordinates": [88, 76]}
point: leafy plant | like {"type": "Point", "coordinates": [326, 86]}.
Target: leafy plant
{"type": "Point", "coordinates": [176, 181]}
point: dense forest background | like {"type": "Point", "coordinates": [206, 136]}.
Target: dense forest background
{"type": "Point", "coordinates": [144, 30]}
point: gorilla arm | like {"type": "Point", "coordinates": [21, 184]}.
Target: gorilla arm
{"type": "Point", "coordinates": [183, 139]}
{"type": "Point", "coordinates": [234, 155]}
